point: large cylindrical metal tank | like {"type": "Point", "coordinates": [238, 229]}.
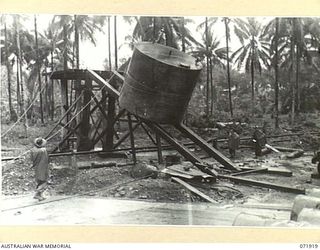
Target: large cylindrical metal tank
{"type": "Point", "coordinates": [159, 83]}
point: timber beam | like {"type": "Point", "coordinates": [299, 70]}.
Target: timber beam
{"type": "Point", "coordinates": [180, 148]}
{"type": "Point", "coordinates": [263, 184]}
{"type": "Point", "coordinates": [206, 147]}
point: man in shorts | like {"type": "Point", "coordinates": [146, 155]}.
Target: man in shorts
{"type": "Point", "coordinates": [40, 163]}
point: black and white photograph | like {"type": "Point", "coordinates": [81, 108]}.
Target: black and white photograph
{"type": "Point", "coordinates": [158, 120]}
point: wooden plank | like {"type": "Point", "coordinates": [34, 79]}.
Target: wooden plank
{"type": "Point", "coordinates": [263, 184]}
{"type": "Point", "coordinates": [270, 170]}
{"type": "Point", "coordinates": [77, 74]}
{"type": "Point", "coordinates": [206, 147]}
{"type": "Point", "coordinates": [193, 190]}
{"type": "Point", "coordinates": [177, 174]}
{"type": "Point", "coordinates": [180, 147]}
{"type": "Point", "coordinates": [253, 171]}
{"type": "Point", "coordinates": [112, 91]}
{"type": "Point", "coordinates": [279, 171]}
{"type": "Point", "coordinates": [194, 172]}
{"type": "Point", "coordinates": [159, 147]}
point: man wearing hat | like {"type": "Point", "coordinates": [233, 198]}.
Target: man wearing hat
{"type": "Point", "coordinates": [40, 160]}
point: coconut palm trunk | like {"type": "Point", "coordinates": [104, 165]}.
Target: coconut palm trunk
{"type": "Point", "coordinates": [38, 67]}
{"type": "Point", "coordinates": [13, 115]}
{"type": "Point", "coordinates": [293, 100]}
{"type": "Point", "coordinates": [52, 89]}
{"type": "Point", "coordinates": [297, 77]}
{"type": "Point", "coordinates": [276, 70]}
{"type": "Point", "coordinates": [18, 84]}
{"type": "Point", "coordinates": [115, 44]}
{"type": "Point", "coordinates": [208, 70]}
{"type": "Point", "coordinates": [109, 44]}
{"type": "Point", "coordinates": [228, 65]}
{"type": "Point", "coordinates": [22, 113]}
{"type": "Point", "coordinates": [183, 38]}
{"type": "Point", "coordinates": [252, 75]}
{"type": "Point", "coordinates": [212, 99]}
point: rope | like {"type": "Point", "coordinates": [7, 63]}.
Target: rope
{"type": "Point", "coordinates": [73, 117]}
{"type": "Point", "coordinates": [24, 113]}
{"type": "Point", "coordinates": [64, 115]}
{"type": "Point", "coordinates": [32, 102]}
{"type": "Point", "coordinates": [48, 139]}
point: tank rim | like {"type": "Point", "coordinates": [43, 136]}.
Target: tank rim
{"type": "Point", "coordinates": [193, 67]}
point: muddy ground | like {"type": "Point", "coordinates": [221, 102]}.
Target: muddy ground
{"type": "Point", "coordinates": [117, 181]}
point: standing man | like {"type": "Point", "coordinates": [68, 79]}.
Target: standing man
{"type": "Point", "coordinates": [315, 159]}
{"type": "Point", "coordinates": [40, 163]}
{"type": "Point", "coordinates": [233, 142]}
{"type": "Point", "coordinates": [259, 140]}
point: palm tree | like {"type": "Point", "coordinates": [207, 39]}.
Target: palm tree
{"type": "Point", "coordinates": [109, 44]}
{"type": "Point", "coordinates": [5, 57]}
{"type": "Point", "coordinates": [292, 47]}
{"type": "Point", "coordinates": [210, 22]}
{"type": "Point", "coordinates": [272, 31]}
{"type": "Point", "coordinates": [169, 31]}
{"type": "Point", "coordinates": [226, 21]}
{"type": "Point", "coordinates": [254, 52]}
{"type": "Point", "coordinates": [210, 50]}
{"type": "Point", "coordinates": [115, 44]}
{"type": "Point", "coordinates": [38, 66]}
{"type": "Point", "coordinates": [84, 28]}
{"type": "Point", "coordinates": [17, 25]}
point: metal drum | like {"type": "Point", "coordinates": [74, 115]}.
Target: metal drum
{"type": "Point", "coordinates": [159, 83]}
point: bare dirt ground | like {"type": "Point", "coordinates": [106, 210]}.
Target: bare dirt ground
{"type": "Point", "coordinates": [117, 182]}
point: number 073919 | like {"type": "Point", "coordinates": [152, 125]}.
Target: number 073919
{"type": "Point", "coordinates": [309, 246]}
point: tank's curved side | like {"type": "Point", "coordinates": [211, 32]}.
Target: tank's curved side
{"type": "Point", "coordinates": [159, 83]}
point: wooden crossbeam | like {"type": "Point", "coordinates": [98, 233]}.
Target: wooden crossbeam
{"type": "Point", "coordinates": [112, 91]}
{"type": "Point", "coordinates": [126, 135]}
{"type": "Point", "coordinates": [180, 148]}
{"type": "Point", "coordinates": [206, 147]}
{"type": "Point", "coordinates": [121, 112]}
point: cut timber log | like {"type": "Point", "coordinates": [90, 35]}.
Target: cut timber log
{"type": "Point", "coordinates": [193, 190]}
{"type": "Point", "coordinates": [99, 165]}
{"type": "Point", "coordinates": [272, 148]}
{"type": "Point", "coordinates": [295, 154]}
{"type": "Point", "coordinates": [284, 149]}
{"type": "Point", "coordinates": [263, 184]}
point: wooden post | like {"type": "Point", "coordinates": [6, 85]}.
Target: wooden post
{"type": "Point", "coordinates": [158, 139]}
{"type": "Point", "coordinates": [64, 107]}
{"type": "Point", "coordinates": [84, 143]}
{"type": "Point", "coordinates": [110, 128]}
{"type": "Point", "coordinates": [132, 140]}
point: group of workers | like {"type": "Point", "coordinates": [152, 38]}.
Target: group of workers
{"type": "Point", "coordinates": [259, 141]}
{"type": "Point", "coordinates": [40, 158]}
